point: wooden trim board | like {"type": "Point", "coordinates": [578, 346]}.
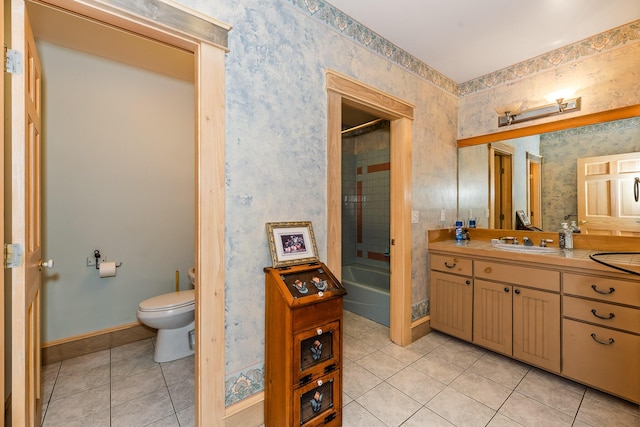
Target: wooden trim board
{"type": "Point", "coordinates": [79, 345]}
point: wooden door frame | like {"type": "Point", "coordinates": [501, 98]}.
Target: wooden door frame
{"type": "Point", "coordinates": [534, 189]}
{"type": "Point", "coordinates": [5, 404]}
{"type": "Point", "coordinates": [181, 27]}
{"type": "Point", "coordinates": [342, 89]}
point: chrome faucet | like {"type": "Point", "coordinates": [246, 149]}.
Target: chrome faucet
{"type": "Point", "coordinates": [543, 242]}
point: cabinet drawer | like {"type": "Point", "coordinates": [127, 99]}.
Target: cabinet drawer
{"type": "Point", "coordinates": [602, 313]}
{"type": "Point", "coordinates": [612, 290]}
{"type": "Point", "coordinates": [451, 264]}
{"type": "Point", "coordinates": [318, 403]}
{"type": "Point", "coordinates": [603, 358]}
{"type": "Point", "coordinates": [517, 275]}
{"type": "Point", "coordinates": [307, 316]}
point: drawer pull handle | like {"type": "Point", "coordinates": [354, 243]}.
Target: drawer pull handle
{"type": "Point", "coordinates": [611, 341]}
{"type": "Point", "coordinates": [305, 379]}
{"type": "Point", "coordinates": [319, 331]}
{"type": "Point", "coordinates": [611, 315]}
{"type": "Point", "coordinates": [446, 264]}
{"type": "Point", "coordinates": [595, 288]}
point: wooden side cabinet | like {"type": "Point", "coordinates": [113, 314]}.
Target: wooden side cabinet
{"type": "Point", "coordinates": [303, 347]}
{"type": "Point", "coordinates": [451, 295]}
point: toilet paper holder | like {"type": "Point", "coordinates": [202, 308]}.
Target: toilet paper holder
{"type": "Point", "coordinates": [98, 257]}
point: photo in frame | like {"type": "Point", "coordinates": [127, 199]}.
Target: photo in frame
{"type": "Point", "coordinates": [291, 243]}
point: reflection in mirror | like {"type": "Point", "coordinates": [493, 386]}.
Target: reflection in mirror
{"type": "Point", "coordinates": [556, 179]}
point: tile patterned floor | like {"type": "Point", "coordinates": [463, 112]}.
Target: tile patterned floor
{"type": "Point", "coordinates": [119, 387]}
{"type": "Point", "coordinates": [442, 381]}
{"type": "Point", "coordinates": [435, 381]}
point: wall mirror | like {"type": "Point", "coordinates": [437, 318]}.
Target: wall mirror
{"type": "Point", "coordinates": [534, 171]}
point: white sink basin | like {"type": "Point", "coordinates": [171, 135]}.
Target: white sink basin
{"type": "Point", "coordinates": [526, 249]}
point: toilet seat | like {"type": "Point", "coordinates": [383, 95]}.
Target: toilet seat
{"type": "Point", "coordinates": [168, 301]}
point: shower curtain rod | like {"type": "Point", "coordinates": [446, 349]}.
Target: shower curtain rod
{"type": "Point", "coordinates": [364, 125]}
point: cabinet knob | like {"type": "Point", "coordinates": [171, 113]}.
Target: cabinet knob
{"type": "Point", "coordinates": [506, 289]}
{"type": "Point", "coordinates": [517, 291]}
{"type": "Point", "coordinates": [319, 383]}
{"type": "Point", "coordinates": [319, 331]}
{"type": "Point", "coordinates": [468, 282]}
{"type": "Point", "coordinates": [487, 270]}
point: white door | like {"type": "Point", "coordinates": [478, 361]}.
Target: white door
{"type": "Point", "coordinates": [25, 222]}
{"type": "Point", "coordinates": [607, 192]}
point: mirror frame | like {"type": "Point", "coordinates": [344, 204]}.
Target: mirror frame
{"type": "Point", "coordinates": [572, 122]}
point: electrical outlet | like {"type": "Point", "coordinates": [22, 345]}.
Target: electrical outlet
{"type": "Point", "coordinates": [442, 215]}
{"type": "Point", "coordinates": [415, 217]}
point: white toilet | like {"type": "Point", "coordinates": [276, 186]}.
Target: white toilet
{"type": "Point", "coordinates": [172, 314]}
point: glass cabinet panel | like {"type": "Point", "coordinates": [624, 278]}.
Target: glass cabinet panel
{"type": "Point", "coordinates": [317, 401]}
{"type": "Point", "coordinates": [316, 352]}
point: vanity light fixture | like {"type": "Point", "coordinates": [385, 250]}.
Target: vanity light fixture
{"type": "Point", "coordinates": [509, 115]}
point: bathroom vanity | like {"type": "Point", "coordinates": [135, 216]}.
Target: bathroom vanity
{"type": "Point", "coordinates": [303, 346]}
{"type": "Point", "coordinates": [562, 312]}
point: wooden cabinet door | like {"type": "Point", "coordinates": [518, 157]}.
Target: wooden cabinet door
{"type": "Point", "coordinates": [451, 304]}
{"type": "Point", "coordinates": [492, 314]}
{"type": "Point", "coordinates": [536, 328]}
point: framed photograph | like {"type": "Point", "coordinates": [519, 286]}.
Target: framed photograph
{"type": "Point", "coordinates": [291, 243]}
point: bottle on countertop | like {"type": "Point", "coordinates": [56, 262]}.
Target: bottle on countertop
{"type": "Point", "coordinates": [565, 237]}
{"type": "Point", "coordinates": [574, 227]}
{"type": "Point", "coordinates": [459, 231]}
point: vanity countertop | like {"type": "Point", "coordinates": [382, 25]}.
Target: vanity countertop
{"type": "Point", "coordinates": [575, 258]}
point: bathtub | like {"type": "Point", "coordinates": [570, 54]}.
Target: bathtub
{"type": "Point", "coordinates": [368, 292]}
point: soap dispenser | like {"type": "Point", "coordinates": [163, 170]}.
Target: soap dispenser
{"type": "Point", "coordinates": [565, 237]}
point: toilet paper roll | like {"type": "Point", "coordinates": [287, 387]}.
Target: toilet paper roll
{"type": "Point", "coordinates": [107, 269]}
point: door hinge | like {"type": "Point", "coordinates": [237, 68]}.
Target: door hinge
{"type": "Point", "coordinates": [12, 255]}
{"type": "Point", "coordinates": [12, 61]}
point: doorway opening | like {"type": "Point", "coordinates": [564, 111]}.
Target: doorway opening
{"type": "Point", "coordinates": [501, 185]}
{"type": "Point", "coordinates": [366, 165]}
{"type": "Point", "coordinates": [207, 41]}
{"type": "Point", "coordinates": [342, 90]}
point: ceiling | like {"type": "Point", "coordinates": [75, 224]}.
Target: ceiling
{"type": "Point", "coordinates": [466, 39]}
